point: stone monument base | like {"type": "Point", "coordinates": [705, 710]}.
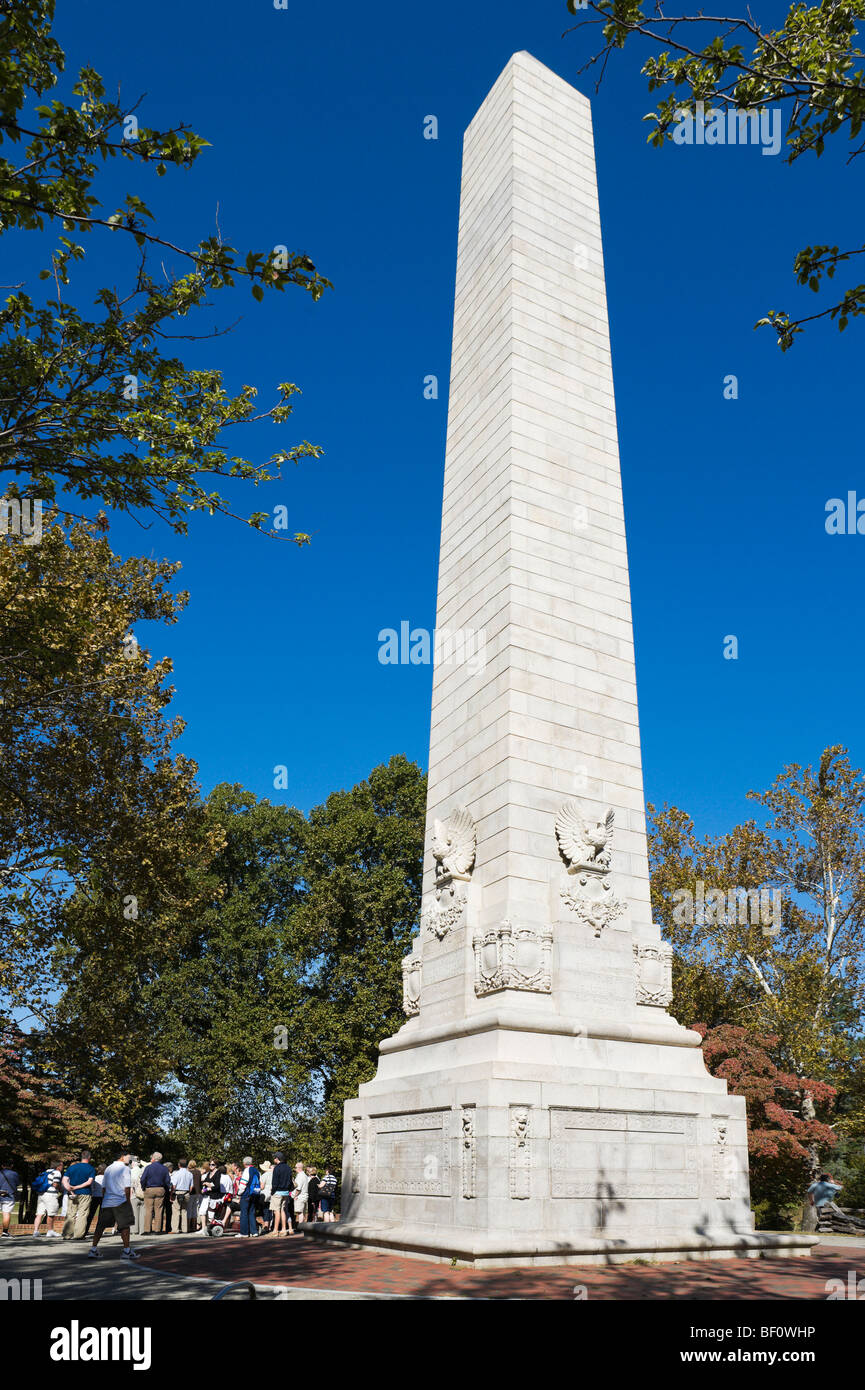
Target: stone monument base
{"type": "Point", "coordinates": [487, 1252]}
{"type": "Point", "coordinates": [514, 1138]}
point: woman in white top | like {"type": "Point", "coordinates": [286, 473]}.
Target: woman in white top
{"type": "Point", "coordinates": [264, 1216]}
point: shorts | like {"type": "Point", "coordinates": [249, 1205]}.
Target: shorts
{"type": "Point", "coordinates": [6, 1203]}
{"type": "Point", "coordinates": [48, 1204]}
{"type": "Point", "coordinates": [325, 1204]}
{"type": "Point", "coordinates": [300, 1204]}
{"type": "Point", "coordinates": [277, 1200]}
{"type": "Point", "coordinates": [121, 1216]}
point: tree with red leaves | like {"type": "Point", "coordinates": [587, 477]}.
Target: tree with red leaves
{"type": "Point", "coordinates": [785, 1133]}
{"type": "Point", "coordinates": [36, 1119]}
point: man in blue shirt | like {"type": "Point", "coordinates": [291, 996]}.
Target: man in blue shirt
{"type": "Point", "coordinates": [156, 1186]}
{"type": "Point", "coordinates": [821, 1194]}
{"type": "Point", "coordinates": [78, 1186]}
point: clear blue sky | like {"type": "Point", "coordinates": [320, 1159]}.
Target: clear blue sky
{"type": "Point", "coordinates": [315, 117]}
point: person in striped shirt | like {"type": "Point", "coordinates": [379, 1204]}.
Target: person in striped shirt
{"type": "Point", "coordinates": [48, 1201]}
{"type": "Point", "coordinates": [327, 1194]}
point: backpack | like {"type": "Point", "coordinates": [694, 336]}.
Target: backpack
{"type": "Point", "coordinates": [254, 1184]}
{"type": "Point", "coordinates": [40, 1184]}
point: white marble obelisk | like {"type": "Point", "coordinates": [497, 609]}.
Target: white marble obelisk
{"type": "Point", "coordinates": [540, 1104]}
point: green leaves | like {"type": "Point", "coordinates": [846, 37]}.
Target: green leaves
{"type": "Point", "coordinates": [298, 926]}
{"type": "Point", "coordinates": [93, 794]}
{"type": "Point", "coordinates": [809, 67]}
{"type": "Point", "coordinates": [65, 423]}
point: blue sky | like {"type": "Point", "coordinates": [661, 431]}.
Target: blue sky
{"type": "Point", "coordinates": [316, 124]}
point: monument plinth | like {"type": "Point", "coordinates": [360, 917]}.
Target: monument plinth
{"type": "Point", "coordinates": [540, 1104]}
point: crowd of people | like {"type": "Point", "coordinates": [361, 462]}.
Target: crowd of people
{"type": "Point", "coordinates": [155, 1198]}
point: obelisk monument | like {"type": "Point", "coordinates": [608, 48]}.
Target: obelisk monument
{"type": "Point", "coordinates": [540, 1103]}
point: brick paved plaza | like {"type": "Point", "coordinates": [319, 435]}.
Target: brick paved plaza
{"type": "Point", "coordinates": [301, 1264]}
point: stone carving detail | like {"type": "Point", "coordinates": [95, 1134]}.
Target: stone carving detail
{"type": "Point", "coordinates": [468, 1152]}
{"type": "Point", "coordinates": [612, 1153]}
{"type": "Point", "coordinates": [411, 983]}
{"type": "Point", "coordinates": [590, 896]}
{"type": "Point", "coordinates": [356, 1136]}
{"type": "Point", "coordinates": [410, 1154]}
{"type": "Point", "coordinates": [454, 843]}
{"type": "Point", "coordinates": [586, 847]}
{"type": "Point", "coordinates": [440, 918]}
{"type": "Point", "coordinates": [654, 972]}
{"type": "Point", "coordinates": [520, 1165]}
{"type": "Point", "coordinates": [508, 957]}
{"type": "Point", "coordinates": [584, 843]}
{"type": "Point", "coordinates": [722, 1160]}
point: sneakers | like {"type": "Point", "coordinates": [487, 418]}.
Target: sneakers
{"type": "Point", "coordinates": [129, 1254]}
{"type": "Point", "coordinates": [94, 1254]}
{"type": "Point", "coordinates": [53, 1235]}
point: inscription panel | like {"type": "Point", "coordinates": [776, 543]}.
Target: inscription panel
{"type": "Point", "coordinates": [411, 1154]}
{"type": "Point", "coordinates": [605, 1154]}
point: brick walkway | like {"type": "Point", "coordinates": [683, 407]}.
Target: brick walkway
{"type": "Point", "coordinates": [300, 1263]}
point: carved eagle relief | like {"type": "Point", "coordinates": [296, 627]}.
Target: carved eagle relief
{"type": "Point", "coordinates": [581, 841]}
{"type": "Point", "coordinates": [454, 843]}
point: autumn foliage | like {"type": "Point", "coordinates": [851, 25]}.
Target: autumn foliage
{"type": "Point", "coordinates": [782, 1132]}
{"type": "Point", "coordinates": [36, 1119]}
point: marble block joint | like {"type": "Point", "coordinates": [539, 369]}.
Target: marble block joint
{"type": "Point", "coordinates": [540, 1104]}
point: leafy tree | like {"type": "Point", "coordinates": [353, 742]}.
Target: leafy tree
{"type": "Point", "coordinates": [711, 977]}
{"type": "Point", "coordinates": [362, 872]}
{"type": "Point", "coordinates": [94, 408]}
{"type": "Point", "coordinates": [264, 1010]}
{"type": "Point", "coordinates": [218, 1001]}
{"type": "Point", "coordinates": [809, 68]}
{"type": "Point", "coordinates": [801, 977]}
{"type": "Point", "coordinates": [93, 798]}
{"type": "Point", "coordinates": [782, 1133]}
{"type": "Point", "coordinates": [37, 1118]}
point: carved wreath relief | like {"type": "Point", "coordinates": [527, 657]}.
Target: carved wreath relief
{"type": "Point", "coordinates": [586, 847]}
{"type": "Point", "coordinates": [508, 957]}
{"type": "Point", "coordinates": [454, 845]}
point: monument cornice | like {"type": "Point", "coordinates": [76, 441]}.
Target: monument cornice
{"type": "Point", "coordinates": [519, 1021]}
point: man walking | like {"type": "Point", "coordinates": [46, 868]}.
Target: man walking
{"type": "Point", "coordinates": [156, 1186]}
{"type": "Point", "coordinates": [116, 1208]}
{"type": "Point", "coordinates": [181, 1185]}
{"type": "Point", "coordinates": [78, 1185]}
